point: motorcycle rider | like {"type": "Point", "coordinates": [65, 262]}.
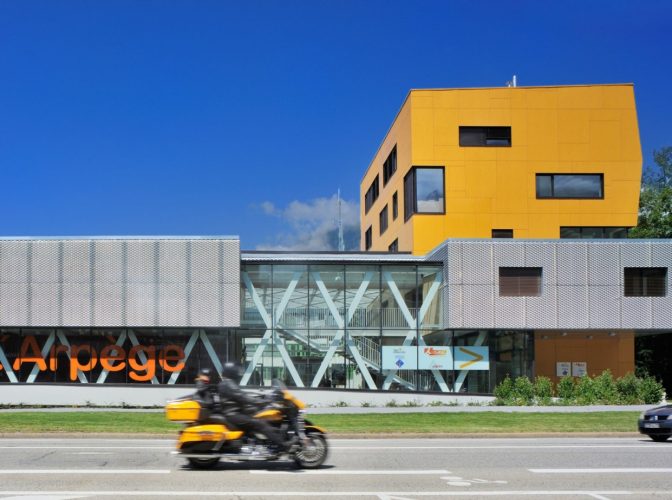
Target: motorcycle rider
{"type": "Point", "coordinates": [240, 407]}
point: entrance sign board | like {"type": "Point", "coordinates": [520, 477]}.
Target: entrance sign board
{"type": "Point", "coordinates": [436, 358]}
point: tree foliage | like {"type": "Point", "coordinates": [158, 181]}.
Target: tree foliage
{"type": "Point", "coordinates": [655, 202]}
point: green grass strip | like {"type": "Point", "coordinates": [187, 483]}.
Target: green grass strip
{"type": "Point", "coordinates": [369, 423]}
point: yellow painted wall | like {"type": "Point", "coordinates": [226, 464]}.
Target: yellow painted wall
{"type": "Point", "coordinates": [399, 134]}
{"type": "Point", "coordinates": [576, 129]}
{"type": "Point", "coordinates": [599, 350]}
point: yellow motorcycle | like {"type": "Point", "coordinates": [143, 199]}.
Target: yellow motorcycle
{"type": "Point", "coordinates": [208, 437]}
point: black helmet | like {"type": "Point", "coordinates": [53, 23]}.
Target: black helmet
{"type": "Point", "coordinates": [232, 371]}
{"type": "Point", "coordinates": [204, 375]}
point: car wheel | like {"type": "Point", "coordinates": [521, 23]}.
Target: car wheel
{"type": "Point", "coordinates": [659, 438]}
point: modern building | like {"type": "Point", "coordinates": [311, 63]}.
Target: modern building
{"type": "Point", "coordinates": [448, 306]}
{"type": "Point", "coordinates": [513, 162]}
{"type": "Point", "coordinates": [154, 311]}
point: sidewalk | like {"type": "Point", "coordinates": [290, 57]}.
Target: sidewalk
{"type": "Point", "coordinates": [344, 410]}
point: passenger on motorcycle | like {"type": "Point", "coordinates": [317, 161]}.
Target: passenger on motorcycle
{"type": "Point", "coordinates": [239, 407]}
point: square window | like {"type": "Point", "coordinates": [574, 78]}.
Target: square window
{"type": "Point", "coordinates": [645, 281]}
{"type": "Point", "coordinates": [520, 281]}
{"type": "Point", "coordinates": [424, 191]}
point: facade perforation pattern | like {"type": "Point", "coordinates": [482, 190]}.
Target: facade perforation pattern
{"type": "Point", "coordinates": [582, 285]}
{"type": "Point", "coordinates": [119, 282]}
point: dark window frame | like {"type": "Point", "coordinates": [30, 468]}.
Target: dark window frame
{"type": "Point", "coordinates": [394, 246]}
{"type": "Point", "coordinates": [395, 206]}
{"type": "Point", "coordinates": [368, 238]}
{"type": "Point", "coordinates": [603, 230]}
{"type": "Point", "coordinates": [637, 281]}
{"type": "Point", "coordinates": [371, 195]}
{"type": "Point", "coordinates": [382, 221]}
{"type": "Point", "coordinates": [411, 209]}
{"type": "Point", "coordinates": [553, 175]}
{"type": "Point", "coordinates": [390, 165]}
{"type": "Point", "coordinates": [520, 281]}
{"type": "Point", "coordinates": [492, 135]}
{"type": "Point", "coordinates": [502, 233]}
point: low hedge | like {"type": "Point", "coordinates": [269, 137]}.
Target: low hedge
{"type": "Point", "coordinates": [602, 389]}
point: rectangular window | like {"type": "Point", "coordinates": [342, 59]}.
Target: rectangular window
{"type": "Point", "coordinates": [502, 233]}
{"type": "Point", "coordinates": [394, 246]}
{"type": "Point", "coordinates": [645, 281]}
{"type": "Point", "coordinates": [382, 219]}
{"type": "Point", "coordinates": [390, 165]}
{"type": "Point", "coordinates": [424, 191]}
{"type": "Point", "coordinates": [368, 239]}
{"type": "Point", "coordinates": [395, 206]}
{"type": "Point", "coordinates": [485, 136]}
{"type": "Point", "coordinates": [519, 281]}
{"type": "Point", "coordinates": [371, 195]}
{"type": "Point", "coordinates": [581, 186]}
{"type": "Point", "coordinates": [591, 233]}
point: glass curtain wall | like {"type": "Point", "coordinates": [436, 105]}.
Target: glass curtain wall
{"type": "Point", "coordinates": [331, 325]}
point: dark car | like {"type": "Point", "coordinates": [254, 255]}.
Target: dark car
{"type": "Point", "coordinates": [657, 423]}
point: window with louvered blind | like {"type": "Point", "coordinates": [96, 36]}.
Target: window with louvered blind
{"type": "Point", "coordinates": [519, 281]}
{"type": "Point", "coordinates": [645, 281]}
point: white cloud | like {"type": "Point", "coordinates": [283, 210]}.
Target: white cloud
{"type": "Point", "coordinates": [313, 225]}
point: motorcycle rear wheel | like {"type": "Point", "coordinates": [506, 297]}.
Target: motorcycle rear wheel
{"type": "Point", "coordinates": [203, 463]}
{"type": "Point", "coordinates": [315, 454]}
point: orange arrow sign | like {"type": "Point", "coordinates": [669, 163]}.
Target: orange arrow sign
{"type": "Point", "coordinates": [477, 357]}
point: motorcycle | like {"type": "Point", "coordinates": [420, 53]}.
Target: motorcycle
{"type": "Point", "coordinates": [208, 437]}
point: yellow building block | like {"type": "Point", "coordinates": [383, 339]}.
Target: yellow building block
{"type": "Point", "coordinates": [559, 129]}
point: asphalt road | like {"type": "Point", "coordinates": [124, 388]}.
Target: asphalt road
{"type": "Point", "coordinates": [385, 469]}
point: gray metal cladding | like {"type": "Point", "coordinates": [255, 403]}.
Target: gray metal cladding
{"type": "Point", "coordinates": [120, 282]}
{"type": "Point", "coordinates": [581, 285]}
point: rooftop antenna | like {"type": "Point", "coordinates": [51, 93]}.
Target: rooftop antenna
{"type": "Point", "coordinates": [341, 242]}
{"type": "Point", "coordinates": [513, 82]}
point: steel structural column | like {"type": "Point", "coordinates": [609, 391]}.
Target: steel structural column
{"type": "Point", "coordinates": [269, 333]}
{"type": "Point", "coordinates": [341, 330]}
{"type": "Point", "coordinates": [413, 324]}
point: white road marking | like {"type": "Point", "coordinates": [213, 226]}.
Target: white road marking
{"type": "Point", "coordinates": [313, 494]}
{"type": "Point", "coordinates": [91, 453]}
{"type": "Point", "coordinates": [353, 472]}
{"type": "Point", "coordinates": [651, 446]}
{"type": "Point", "coordinates": [87, 447]}
{"type": "Point", "coordinates": [632, 470]}
{"type": "Point", "coordinates": [85, 471]}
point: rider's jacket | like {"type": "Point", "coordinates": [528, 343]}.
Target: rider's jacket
{"type": "Point", "coordinates": [234, 399]}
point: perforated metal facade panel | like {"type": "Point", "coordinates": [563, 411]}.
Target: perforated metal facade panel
{"type": "Point", "coordinates": [582, 284]}
{"type": "Point", "coordinates": [120, 282]}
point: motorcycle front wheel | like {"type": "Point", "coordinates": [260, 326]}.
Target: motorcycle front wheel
{"type": "Point", "coordinates": [203, 463]}
{"type": "Point", "coordinates": [313, 453]}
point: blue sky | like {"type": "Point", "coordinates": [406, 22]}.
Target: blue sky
{"type": "Point", "coordinates": [195, 118]}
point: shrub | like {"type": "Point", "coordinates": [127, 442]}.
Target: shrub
{"type": "Point", "coordinates": [585, 391]}
{"type": "Point", "coordinates": [566, 389]}
{"type": "Point", "coordinates": [650, 390]}
{"type": "Point", "coordinates": [523, 391]}
{"type": "Point", "coordinates": [543, 390]}
{"type": "Point", "coordinates": [604, 389]}
{"type": "Point", "coordinates": [503, 392]}
{"type": "Point", "coordinates": [628, 389]}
